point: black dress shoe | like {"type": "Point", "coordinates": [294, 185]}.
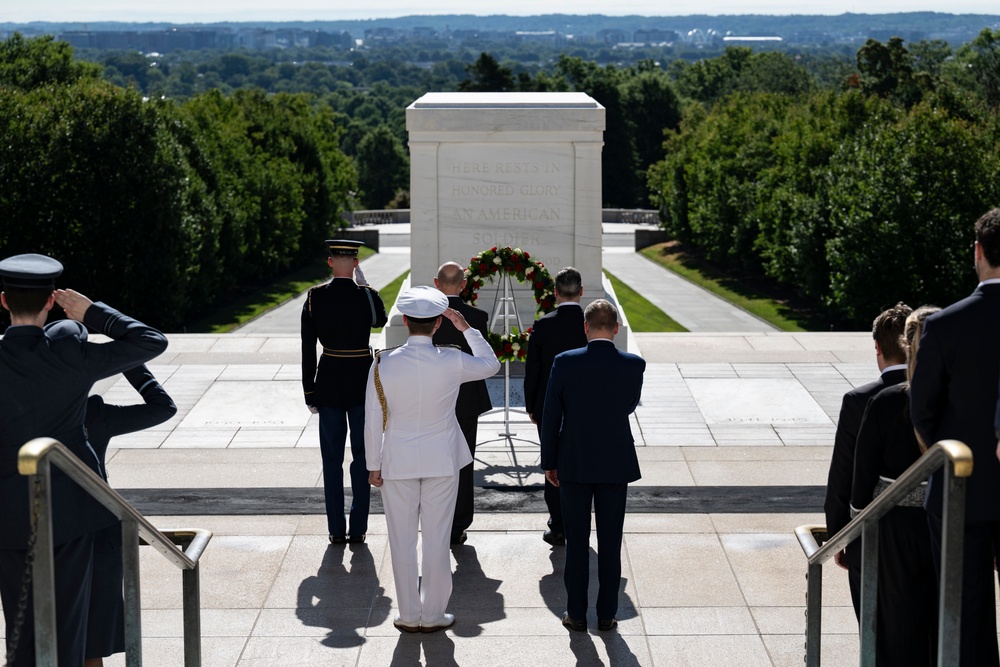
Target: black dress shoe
{"type": "Point", "coordinates": [338, 540]}
{"type": "Point", "coordinates": [553, 538]}
{"type": "Point", "coordinates": [607, 624]}
{"type": "Point", "coordinates": [459, 539]}
{"type": "Point", "coordinates": [355, 539]}
{"type": "Point", "coordinates": [573, 624]}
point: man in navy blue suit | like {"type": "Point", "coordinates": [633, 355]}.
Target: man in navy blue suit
{"type": "Point", "coordinates": [551, 335]}
{"type": "Point", "coordinates": [589, 453]}
{"type": "Point", "coordinates": [953, 395]}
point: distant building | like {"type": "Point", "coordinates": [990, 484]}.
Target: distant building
{"type": "Point", "coordinates": [655, 36]}
{"type": "Point", "coordinates": [423, 33]}
{"type": "Point", "coordinates": [546, 36]}
{"type": "Point", "coordinates": [612, 36]}
{"type": "Point", "coordinates": [750, 39]}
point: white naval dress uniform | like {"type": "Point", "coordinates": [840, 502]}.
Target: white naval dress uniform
{"type": "Point", "coordinates": [420, 455]}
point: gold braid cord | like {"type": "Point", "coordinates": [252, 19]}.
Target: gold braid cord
{"type": "Point", "coordinates": [380, 392]}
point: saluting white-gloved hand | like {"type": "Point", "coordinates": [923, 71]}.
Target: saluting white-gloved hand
{"type": "Point", "coordinates": [359, 276]}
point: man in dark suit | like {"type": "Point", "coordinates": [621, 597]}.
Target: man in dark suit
{"type": "Point", "coordinates": [340, 315]}
{"type": "Point", "coordinates": [473, 397]}
{"type": "Point", "coordinates": [44, 384]}
{"type": "Point", "coordinates": [589, 454]}
{"type": "Point", "coordinates": [953, 395]}
{"type": "Point", "coordinates": [552, 334]}
{"type": "Point", "coordinates": [887, 330]}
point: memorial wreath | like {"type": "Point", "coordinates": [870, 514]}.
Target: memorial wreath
{"type": "Point", "coordinates": [520, 265]}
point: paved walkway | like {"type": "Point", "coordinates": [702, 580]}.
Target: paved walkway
{"type": "Point", "coordinates": [747, 411]}
{"type": "Point", "coordinates": [695, 308]}
{"type": "Point", "coordinates": [752, 411]}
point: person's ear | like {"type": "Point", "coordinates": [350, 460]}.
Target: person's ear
{"type": "Point", "coordinates": [329, 262]}
{"type": "Point", "coordinates": [3, 301]}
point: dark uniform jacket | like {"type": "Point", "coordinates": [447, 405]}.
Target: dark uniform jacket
{"type": "Point", "coordinates": [43, 393]}
{"type": "Point", "coordinates": [586, 436]}
{"type": "Point", "coordinates": [839, 481]}
{"type": "Point", "coordinates": [340, 316]}
{"type": "Point", "coordinates": [473, 397]}
{"type": "Point", "coordinates": [887, 445]}
{"type": "Point", "coordinates": [106, 421]}
{"type": "Point", "coordinates": [953, 394]}
{"type": "Point", "coordinates": [551, 334]}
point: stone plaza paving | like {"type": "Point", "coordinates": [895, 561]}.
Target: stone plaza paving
{"type": "Point", "coordinates": [752, 412]}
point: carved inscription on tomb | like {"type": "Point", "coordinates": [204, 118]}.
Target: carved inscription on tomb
{"type": "Point", "coordinates": [514, 194]}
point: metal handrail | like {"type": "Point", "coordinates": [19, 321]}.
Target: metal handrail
{"type": "Point", "coordinates": [956, 458]}
{"type": "Point", "coordinates": [34, 460]}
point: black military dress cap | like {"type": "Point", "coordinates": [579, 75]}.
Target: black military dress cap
{"type": "Point", "coordinates": [344, 247]}
{"type": "Point", "coordinates": [30, 271]}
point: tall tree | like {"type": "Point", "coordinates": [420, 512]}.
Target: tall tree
{"type": "Point", "coordinates": [487, 75]}
{"type": "Point", "coordinates": [382, 167]}
{"type": "Point", "coordinates": [29, 63]}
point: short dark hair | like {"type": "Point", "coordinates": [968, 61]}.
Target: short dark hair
{"type": "Point", "coordinates": [569, 282]}
{"type": "Point", "coordinates": [988, 236]}
{"type": "Point", "coordinates": [887, 330]}
{"type": "Point", "coordinates": [601, 315]}
{"type": "Point", "coordinates": [22, 301]}
{"type": "Point", "coordinates": [421, 326]}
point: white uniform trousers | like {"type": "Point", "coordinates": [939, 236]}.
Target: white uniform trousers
{"type": "Point", "coordinates": [431, 502]}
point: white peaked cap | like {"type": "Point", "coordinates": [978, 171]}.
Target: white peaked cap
{"type": "Point", "coordinates": [422, 301]}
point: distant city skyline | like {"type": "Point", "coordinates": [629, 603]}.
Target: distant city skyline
{"type": "Point", "coordinates": [199, 11]}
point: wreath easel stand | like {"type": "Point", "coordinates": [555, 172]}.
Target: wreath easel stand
{"type": "Point", "coordinates": [512, 344]}
{"type": "Point", "coordinates": [506, 304]}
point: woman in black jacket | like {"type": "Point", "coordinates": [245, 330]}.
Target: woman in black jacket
{"type": "Point", "coordinates": [906, 625]}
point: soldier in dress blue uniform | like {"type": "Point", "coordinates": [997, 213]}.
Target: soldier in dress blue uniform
{"type": "Point", "coordinates": [340, 315]}
{"type": "Point", "coordinates": [44, 383]}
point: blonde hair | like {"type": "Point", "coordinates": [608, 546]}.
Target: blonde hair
{"type": "Point", "coordinates": [910, 342]}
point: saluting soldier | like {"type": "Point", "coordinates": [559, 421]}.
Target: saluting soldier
{"type": "Point", "coordinates": [44, 382]}
{"type": "Point", "coordinates": [340, 315]}
{"type": "Point", "coordinates": [416, 450]}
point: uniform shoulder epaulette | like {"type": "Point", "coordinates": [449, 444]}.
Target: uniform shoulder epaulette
{"type": "Point", "coordinates": [309, 299]}
{"type": "Point", "coordinates": [388, 349]}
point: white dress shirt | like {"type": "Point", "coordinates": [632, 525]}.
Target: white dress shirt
{"type": "Point", "coordinates": [420, 383]}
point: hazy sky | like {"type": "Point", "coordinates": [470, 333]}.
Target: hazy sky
{"type": "Point", "coordinates": [200, 11]}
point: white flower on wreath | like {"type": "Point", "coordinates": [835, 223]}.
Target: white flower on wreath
{"type": "Point", "coordinates": [515, 346]}
{"type": "Point", "coordinates": [528, 271]}
{"type": "Point", "coordinates": [517, 251]}
{"type": "Point", "coordinates": [497, 260]}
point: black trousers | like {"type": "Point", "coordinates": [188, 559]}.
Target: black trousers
{"type": "Point", "coordinates": [73, 561]}
{"type": "Point", "coordinates": [979, 623]}
{"type": "Point", "coordinates": [907, 591]}
{"type": "Point", "coordinates": [553, 501]}
{"type": "Point", "coordinates": [465, 502]}
{"type": "Point", "coordinates": [608, 501]}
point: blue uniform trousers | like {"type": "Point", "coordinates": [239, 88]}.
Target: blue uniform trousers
{"type": "Point", "coordinates": [608, 501]}
{"type": "Point", "coordinates": [332, 441]}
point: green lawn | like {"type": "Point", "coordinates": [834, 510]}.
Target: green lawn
{"type": "Point", "coordinates": [389, 294]}
{"type": "Point", "coordinates": [743, 293]}
{"type": "Point", "coordinates": [244, 308]}
{"type": "Point", "coordinates": [643, 316]}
